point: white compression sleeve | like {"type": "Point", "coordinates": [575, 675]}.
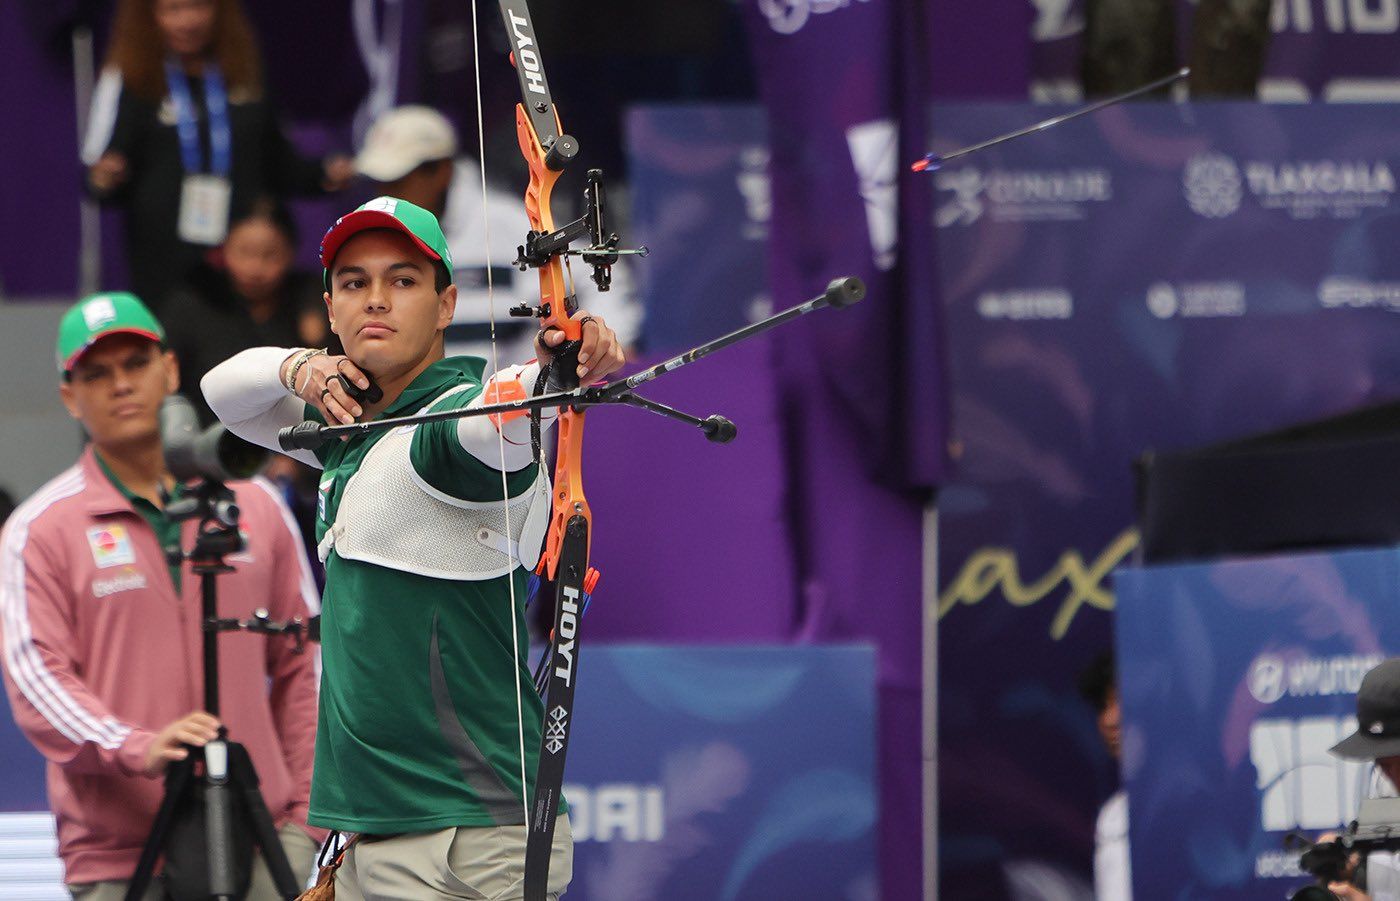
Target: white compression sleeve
{"type": "Point", "coordinates": [246, 393]}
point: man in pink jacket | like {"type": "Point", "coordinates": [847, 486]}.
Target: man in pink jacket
{"type": "Point", "coordinates": [101, 624]}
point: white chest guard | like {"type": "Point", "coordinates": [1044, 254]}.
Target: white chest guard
{"type": "Point", "coordinates": [389, 516]}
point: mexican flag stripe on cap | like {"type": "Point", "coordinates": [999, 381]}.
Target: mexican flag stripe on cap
{"type": "Point", "coordinates": [392, 213]}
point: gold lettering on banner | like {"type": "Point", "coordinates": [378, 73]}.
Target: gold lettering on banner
{"type": "Point", "coordinates": [990, 569]}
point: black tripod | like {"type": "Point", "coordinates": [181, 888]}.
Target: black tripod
{"type": "Point", "coordinates": [221, 781]}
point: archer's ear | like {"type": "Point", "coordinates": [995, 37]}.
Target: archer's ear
{"type": "Point", "coordinates": [447, 306]}
{"type": "Point", "coordinates": [330, 311]}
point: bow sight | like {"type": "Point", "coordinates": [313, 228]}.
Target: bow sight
{"type": "Point", "coordinates": [540, 247]}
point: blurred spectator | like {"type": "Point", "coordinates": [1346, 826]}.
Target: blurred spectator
{"type": "Point", "coordinates": [250, 296]}
{"type": "Point", "coordinates": [102, 646]}
{"type": "Point", "coordinates": [247, 296]}
{"type": "Point", "coordinates": [182, 134]}
{"type": "Point", "coordinates": [7, 505]}
{"type": "Point", "coordinates": [1112, 872]}
{"type": "Point", "coordinates": [411, 151]}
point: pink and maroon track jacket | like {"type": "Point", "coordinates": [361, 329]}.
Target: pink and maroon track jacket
{"type": "Point", "coordinates": [100, 654]}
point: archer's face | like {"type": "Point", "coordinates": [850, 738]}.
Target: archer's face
{"type": "Point", "coordinates": [382, 303]}
{"type": "Point", "coordinates": [116, 389]}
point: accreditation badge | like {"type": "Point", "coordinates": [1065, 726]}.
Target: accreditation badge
{"type": "Point", "coordinates": [204, 205]}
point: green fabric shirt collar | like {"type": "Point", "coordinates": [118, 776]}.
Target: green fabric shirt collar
{"type": "Point", "coordinates": [167, 530]}
{"type": "Point", "coordinates": [437, 378]}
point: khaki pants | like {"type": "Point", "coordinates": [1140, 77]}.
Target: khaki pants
{"type": "Point", "coordinates": [301, 853]}
{"type": "Point", "coordinates": [481, 863]}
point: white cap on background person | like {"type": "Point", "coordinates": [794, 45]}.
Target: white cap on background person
{"type": "Point", "coordinates": [403, 139]}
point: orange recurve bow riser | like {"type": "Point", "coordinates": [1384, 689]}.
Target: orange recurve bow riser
{"type": "Point", "coordinates": [568, 477]}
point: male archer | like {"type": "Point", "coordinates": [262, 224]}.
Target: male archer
{"type": "Point", "coordinates": [422, 531]}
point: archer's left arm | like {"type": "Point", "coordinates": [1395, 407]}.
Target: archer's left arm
{"type": "Point", "coordinates": [600, 355]}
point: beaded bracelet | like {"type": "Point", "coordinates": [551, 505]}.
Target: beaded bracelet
{"type": "Point", "coordinates": [302, 359]}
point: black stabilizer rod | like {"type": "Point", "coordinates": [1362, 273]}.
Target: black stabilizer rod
{"type": "Point", "coordinates": [842, 292]}
{"type": "Point", "coordinates": [716, 427]}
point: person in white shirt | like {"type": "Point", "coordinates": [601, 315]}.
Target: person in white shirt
{"type": "Point", "coordinates": [412, 152]}
{"type": "Point", "coordinates": [1112, 871]}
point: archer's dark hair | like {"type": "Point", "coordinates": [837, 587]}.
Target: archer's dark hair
{"type": "Point", "coordinates": [1098, 680]}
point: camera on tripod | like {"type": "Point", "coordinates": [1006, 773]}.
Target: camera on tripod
{"type": "Point", "coordinates": [212, 813]}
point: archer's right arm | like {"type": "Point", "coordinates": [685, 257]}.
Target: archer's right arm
{"type": "Point", "coordinates": [248, 394]}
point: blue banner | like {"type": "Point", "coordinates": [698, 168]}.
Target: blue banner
{"type": "Point", "coordinates": [701, 202]}
{"type": "Point", "coordinates": [719, 774]}
{"type": "Point", "coordinates": [705, 773]}
{"type": "Point", "coordinates": [1235, 678]}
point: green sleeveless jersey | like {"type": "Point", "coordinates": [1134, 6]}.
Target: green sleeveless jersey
{"type": "Point", "coordinates": [420, 689]}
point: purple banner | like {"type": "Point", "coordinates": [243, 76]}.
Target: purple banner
{"type": "Point", "coordinates": [1156, 276]}
{"type": "Point", "coordinates": [844, 85]}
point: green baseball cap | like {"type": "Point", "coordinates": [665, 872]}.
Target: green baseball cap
{"type": "Point", "coordinates": [387, 212]}
{"type": "Point", "coordinates": [99, 315]}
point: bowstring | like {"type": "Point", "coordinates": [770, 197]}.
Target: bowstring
{"type": "Point", "coordinates": [500, 425]}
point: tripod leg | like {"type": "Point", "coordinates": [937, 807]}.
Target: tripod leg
{"type": "Point", "coordinates": [218, 821]}
{"type": "Point", "coordinates": [177, 782]}
{"type": "Point", "coordinates": [245, 780]}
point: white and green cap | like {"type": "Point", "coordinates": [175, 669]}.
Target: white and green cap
{"type": "Point", "coordinates": [392, 213]}
{"type": "Point", "coordinates": [99, 315]}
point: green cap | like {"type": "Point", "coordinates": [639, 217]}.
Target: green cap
{"type": "Point", "coordinates": [99, 315]}
{"type": "Point", "coordinates": [387, 212]}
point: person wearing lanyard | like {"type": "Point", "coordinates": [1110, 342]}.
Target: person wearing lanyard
{"type": "Point", "coordinates": [182, 137]}
{"type": "Point", "coordinates": [204, 192]}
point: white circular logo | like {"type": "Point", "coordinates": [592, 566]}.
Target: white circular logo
{"type": "Point", "coordinates": [1161, 300]}
{"type": "Point", "coordinates": [786, 16]}
{"type": "Point", "coordinates": [1266, 678]}
{"type": "Point", "coordinates": [1213, 185]}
